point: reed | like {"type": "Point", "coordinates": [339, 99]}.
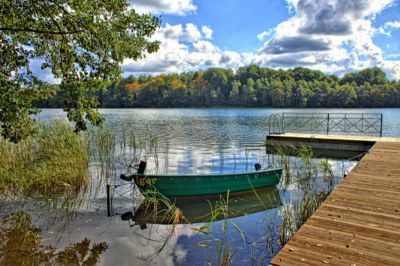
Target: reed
{"type": "Point", "coordinates": [158, 209]}
{"type": "Point", "coordinates": [54, 161]}
{"type": "Point", "coordinates": [284, 160]}
{"type": "Point", "coordinates": [306, 175]}
{"type": "Point", "coordinates": [329, 177]}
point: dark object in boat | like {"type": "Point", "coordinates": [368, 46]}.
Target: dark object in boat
{"type": "Point", "coordinates": [141, 167]}
{"type": "Point", "coordinates": [257, 166]}
{"type": "Point", "coordinates": [126, 177]}
{"type": "Point", "coordinates": [127, 216]}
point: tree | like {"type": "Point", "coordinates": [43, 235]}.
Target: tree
{"type": "Point", "coordinates": [82, 42]}
{"type": "Point", "coordinates": [301, 73]}
{"type": "Point", "coordinates": [259, 88]}
{"type": "Point", "coordinates": [248, 92]}
{"type": "Point", "coordinates": [299, 87]}
{"type": "Point", "coordinates": [343, 96]}
{"type": "Point", "coordinates": [234, 96]}
{"type": "Point", "coordinates": [374, 75]}
{"type": "Point", "coordinates": [300, 94]}
{"type": "Point", "coordinates": [198, 89]}
{"type": "Point", "coordinates": [277, 93]}
{"type": "Point", "coordinates": [217, 79]}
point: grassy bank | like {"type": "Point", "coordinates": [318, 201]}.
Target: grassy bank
{"type": "Point", "coordinates": [54, 161]}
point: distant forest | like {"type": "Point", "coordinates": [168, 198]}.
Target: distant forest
{"type": "Point", "coordinates": [250, 86]}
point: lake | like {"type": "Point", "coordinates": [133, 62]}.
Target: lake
{"type": "Point", "coordinates": [183, 141]}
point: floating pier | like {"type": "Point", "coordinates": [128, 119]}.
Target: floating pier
{"type": "Point", "coordinates": [359, 223]}
{"type": "Point", "coordinates": [329, 142]}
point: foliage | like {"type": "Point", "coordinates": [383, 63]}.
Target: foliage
{"type": "Point", "coordinates": [253, 86]}
{"type": "Point", "coordinates": [56, 160]}
{"type": "Point", "coordinates": [82, 43]}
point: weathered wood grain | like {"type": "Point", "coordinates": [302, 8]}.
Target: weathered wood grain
{"type": "Point", "coordinates": [359, 223]}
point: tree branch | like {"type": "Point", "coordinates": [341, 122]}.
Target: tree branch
{"type": "Point", "coordinates": [41, 31]}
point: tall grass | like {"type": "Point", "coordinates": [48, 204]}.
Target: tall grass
{"type": "Point", "coordinates": [220, 251]}
{"type": "Point", "coordinates": [305, 174]}
{"type": "Point", "coordinates": [156, 208]}
{"type": "Point", "coordinates": [54, 161]}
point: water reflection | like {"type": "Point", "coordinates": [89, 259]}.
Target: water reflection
{"type": "Point", "coordinates": [21, 244]}
{"type": "Point", "coordinates": [205, 209]}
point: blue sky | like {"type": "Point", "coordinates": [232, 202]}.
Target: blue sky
{"type": "Point", "coordinates": [236, 23]}
{"type": "Point", "coordinates": [334, 36]}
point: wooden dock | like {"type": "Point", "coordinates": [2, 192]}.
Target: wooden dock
{"type": "Point", "coordinates": [330, 142]}
{"type": "Point", "coordinates": [359, 223]}
{"type": "Point", "coordinates": [336, 138]}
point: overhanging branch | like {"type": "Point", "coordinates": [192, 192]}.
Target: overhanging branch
{"type": "Point", "coordinates": [41, 31]}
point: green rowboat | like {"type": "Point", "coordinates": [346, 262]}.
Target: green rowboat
{"type": "Point", "coordinates": [174, 185]}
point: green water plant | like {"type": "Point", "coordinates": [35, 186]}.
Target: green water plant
{"type": "Point", "coordinates": [307, 175]}
{"type": "Point", "coordinates": [54, 161]}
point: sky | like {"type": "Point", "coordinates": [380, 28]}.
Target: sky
{"type": "Point", "coordinates": [334, 36]}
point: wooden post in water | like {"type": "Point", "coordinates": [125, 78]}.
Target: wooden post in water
{"type": "Point", "coordinates": [327, 126]}
{"type": "Point", "coordinates": [108, 201]}
{"type": "Point", "coordinates": [381, 130]}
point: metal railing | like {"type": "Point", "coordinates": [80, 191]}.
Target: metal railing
{"type": "Point", "coordinates": [275, 124]}
{"type": "Point", "coordinates": [327, 123]}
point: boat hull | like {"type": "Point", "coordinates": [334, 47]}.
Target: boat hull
{"type": "Point", "coordinates": [196, 185]}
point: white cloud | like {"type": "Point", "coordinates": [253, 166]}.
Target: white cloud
{"type": "Point", "coordinates": [205, 47]}
{"type": "Point", "coordinates": [171, 31]}
{"type": "Point", "coordinates": [331, 35]}
{"type": "Point", "coordinates": [265, 34]}
{"type": "Point", "coordinates": [392, 68]}
{"type": "Point", "coordinates": [388, 27]}
{"type": "Point", "coordinates": [207, 31]}
{"type": "Point", "coordinates": [185, 48]}
{"type": "Point", "coordinates": [192, 33]}
{"type": "Point", "coordinates": [176, 7]}
{"type": "Point", "coordinates": [291, 5]}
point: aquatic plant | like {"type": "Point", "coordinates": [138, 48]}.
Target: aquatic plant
{"type": "Point", "coordinates": [329, 177]}
{"type": "Point", "coordinates": [55, 161]}
{"type": "Point", "coordinates": [283, 152]}
{"type": "Point", "coordinates": [305, 176]}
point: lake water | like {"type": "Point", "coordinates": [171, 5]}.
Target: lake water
{"type": "Point", "coordinates": [188, 141]}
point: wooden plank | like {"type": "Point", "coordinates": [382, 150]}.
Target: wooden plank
{"type": "Point", "coordinates": [347, 251]}
{"type": "Point", "coordinates": [343, 239]}
{"type": "Point", "coordinates": [381, 207]}
{"type": "Point", "coordinates": [359, 223]}
{"type": "Point", "coordinates": [370, 217]}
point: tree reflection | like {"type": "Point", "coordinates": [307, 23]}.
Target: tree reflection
{"type": "Point", "coordinates": [21, 244]}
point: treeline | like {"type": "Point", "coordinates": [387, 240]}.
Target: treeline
{"type": "Point", "coordinates": [250, 86]}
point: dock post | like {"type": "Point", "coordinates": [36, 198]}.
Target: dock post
{"type": "Point", "coordinates": [381, 129]}
{"type": "Point", "coordinates": [327, 126]}
{"type": "Point", "coordinates": [108, 201]}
